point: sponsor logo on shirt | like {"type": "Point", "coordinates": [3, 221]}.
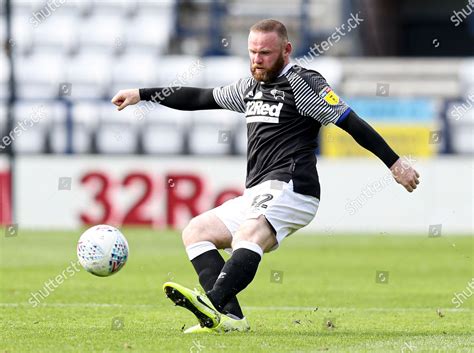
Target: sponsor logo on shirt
{"type": "Point", "coordinates": [260, 111]}
{"type": "Point", "coordinates": [329, 96]}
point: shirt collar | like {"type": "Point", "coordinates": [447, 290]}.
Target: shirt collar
{"type": "Point", "coordinates": [285, 69]}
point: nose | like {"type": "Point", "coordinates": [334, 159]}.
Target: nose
{"type": "Point", "coordinates": [257, 59]}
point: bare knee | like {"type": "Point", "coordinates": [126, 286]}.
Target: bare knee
{"type": "Point", "coordinates": [207, 227]}
{"type": "Point", "coordinates": [193, 232]}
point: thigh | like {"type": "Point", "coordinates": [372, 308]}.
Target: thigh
{"type": "Point", "coordinates": [207, 227]}
{"type": "Point", "coordinates": [232, 213]}
{"type": "Point", "coordinates": [256, 230]}
{"type": "Point", "coordinates": [283, 209]}
{"type": "Point", "coordinates": [255, 226]}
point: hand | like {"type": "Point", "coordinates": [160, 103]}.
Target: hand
{"type": "Point", "coordinates": [405, 175]}
{"type": "Point", "coordinates": [126, 97]}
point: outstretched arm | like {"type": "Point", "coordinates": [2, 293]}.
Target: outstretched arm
{"type": "Point", "coordinates": [182, 98]}
{"type": "Point", "coordinates": [370, 139]}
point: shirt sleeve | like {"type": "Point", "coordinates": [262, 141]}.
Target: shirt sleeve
{"type": "Point", "coordinates": [231, 97]}
{"type": "Point", "coordinates": [367, 137]}
{"type": "Point", "coordinates": [315, 98]}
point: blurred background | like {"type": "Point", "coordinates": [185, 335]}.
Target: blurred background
{"type": "Point", "coordinates": [68, 158]}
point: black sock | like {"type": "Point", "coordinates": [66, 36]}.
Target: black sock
{"type": "Point", "coordinates": [208, 266]}
{"type": "Point", "coordinates": [236, 274]}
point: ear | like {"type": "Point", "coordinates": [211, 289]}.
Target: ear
{"type": "Point", "coordinates": [288, 49]}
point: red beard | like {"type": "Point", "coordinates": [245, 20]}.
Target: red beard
{"type": "Point", "coordinates": [268, 75]}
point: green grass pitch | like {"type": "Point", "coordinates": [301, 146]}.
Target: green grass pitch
{"type": "Point", "coordinates": [324, 297]}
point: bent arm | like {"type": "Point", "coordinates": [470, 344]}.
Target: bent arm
{"type": "Point", "coordinates": [367, 137]}
{"type": "Point", "coordinates": [181, 98]}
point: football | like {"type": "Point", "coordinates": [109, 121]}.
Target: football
{"type": "Point", "coordinates": [102, 250]}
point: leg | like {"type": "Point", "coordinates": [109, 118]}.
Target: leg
{"type": "Point", "coordinates": [259, 220]}
{"type": "Point", "coordinates": [254, 237]}
{"type": "Point", "coordinates": [202, 237]}
{"type": "Point", "coordinates": [207, 227]}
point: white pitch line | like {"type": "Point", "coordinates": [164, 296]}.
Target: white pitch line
{"type": "Point", "coordinates": [312, 308]}
{"type": "Point", "coordinates": [80, 305]}
{"type": "Point", "coordinates": [257, 308]}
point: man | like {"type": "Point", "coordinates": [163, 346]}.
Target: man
{"type": "Point", "coordinates": [285, 106]}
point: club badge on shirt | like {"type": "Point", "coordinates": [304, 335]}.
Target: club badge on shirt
{"type": "Point", "coordinates": [278, 94]}
{"type": "Point", "coordinates": [329, 96]}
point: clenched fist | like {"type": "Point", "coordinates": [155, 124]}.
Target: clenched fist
{"type": "Point", "coordinates": [405, 175]}
{"type": "Point", "coordinates": [126, 97]}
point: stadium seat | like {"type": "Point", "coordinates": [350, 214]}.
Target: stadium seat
{"type": "Point", "coordinates": [34, 120]}
{"type": "Point", "coordinates": [466, 77]}
{"type": "Point", "coordinates": [117, 131]}
{"type": "Point", "coordinates": [212, 132]}
{"type": "Point", "coordinates": [22, 29]}
{"type": "Point", "coordinates": [407, 77]}
{"type": "Point", "coordinates": [399, 67]}
{"type": "Point", "coordinates": [123, 7]}
{"type": "Point", "coordinates": [3, 30]}
{"type": "Point", "coordinates": [22, 6]}
{"type": "Point", "coordinates": [4, 75]}
{"type": "Point", "coordinates": [87, 113]}
{"type": "Point", "coordinates": [224, 70]}
{"type": "Point", "coordinates": [39, 75]}
{"type": "Point", "coordinates": [163, 5]}
{"type": "Point", "coordinates": [241, 138]}
{"type": "Point", "coordinates": [133, 70]}
{"type": "Point", "coordinates": [462, 141]}
{"type": "Point", "coordinates": [47, 36]}
{"type": "Point", "coordinates": [404, 87]}
{"type": "Point", "coordinates": [149, 32]}
{"type": "Point", "coordinates": [258, 9]}
{"type": "Point", "coordinates": [89, 75]}
{"type": "Point", "coordinates": [460, 115]}
{"type": "Point", "coordinates": [102, 32]}
{"type": "Point", "coordinates": [84, 119]}
{"type": "Point", "coordinates": [164, 130]}
{"type": "Point", "coordinates": [3, 123]}
{"type": "Point", "coordinates": [179, 70]}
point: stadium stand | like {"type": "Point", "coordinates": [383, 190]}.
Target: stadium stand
{"type": "Point", "coordinates": [203, 139]}
{"type": "Point", "coordinates": [35, 120]}
{"type": "Point", "coordinates": [164, 130]}
{"type": "Point", "coordinates": [89, 75]}
{"type": "Point", "coordinates": [38, 75]}
{"type": "Point", "coordinates": [3, 119]}
{"type": "Point", "coordinates": [80, 136]}
{"type": "Point", "coordinates": [117, 131]}
{"type": "Point", "coordinates": [104, 46]}
{"type": "Point", "coordinates": [4, 73]}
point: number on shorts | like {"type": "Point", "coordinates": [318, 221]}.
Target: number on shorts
{"type": "Point", "coordinates": [261, 203]}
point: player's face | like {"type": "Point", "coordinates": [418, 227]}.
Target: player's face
{"type": "Point", "coordinates": [268, 55]}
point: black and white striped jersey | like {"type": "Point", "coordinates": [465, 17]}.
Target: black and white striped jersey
{"type": "Point", "coordinates": [283, 120]}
